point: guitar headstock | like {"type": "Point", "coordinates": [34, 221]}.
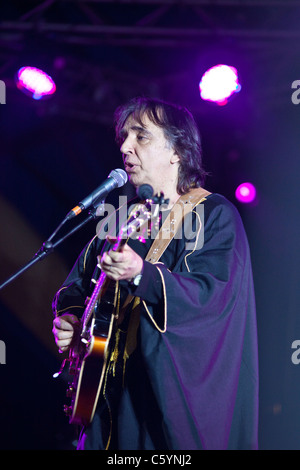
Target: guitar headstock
{"type": "Point", "coordinates": [145, 215]}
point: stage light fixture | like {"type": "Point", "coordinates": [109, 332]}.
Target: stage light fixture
{"type": "Point", "coordinates": [218, 83]}
{"type": "Point", "coordinates": [35, 82]}
{"type": "Point", "coordinates": [245, 193]}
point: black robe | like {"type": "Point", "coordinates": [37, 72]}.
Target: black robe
{"type": "Point", "coordinates": [191, 381]}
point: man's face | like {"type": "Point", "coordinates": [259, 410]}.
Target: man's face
{"type": "Point", "coordinates": [147, 155]}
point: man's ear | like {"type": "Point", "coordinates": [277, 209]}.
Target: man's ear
{"type": "Point", "coordinates": [175, 158]}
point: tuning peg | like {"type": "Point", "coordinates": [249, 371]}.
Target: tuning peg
{"type": "Point", "coordinates": [68, 410]}
{"type": "Point", "coordinates": [160, 199]}
{"type": "Point", "coordinates": [70, 391]}
{"type": "Point", "coordinates": [57, 374]}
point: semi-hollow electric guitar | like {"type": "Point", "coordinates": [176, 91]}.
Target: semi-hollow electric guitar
{"type": "Point", "coordinates": [88, 356]}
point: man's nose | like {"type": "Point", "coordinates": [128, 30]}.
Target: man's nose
{"type": "Point", "coordinates": [127, 146]}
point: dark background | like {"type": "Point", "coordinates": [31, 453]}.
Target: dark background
{"type": "Point", "coordinates": [55, 152]}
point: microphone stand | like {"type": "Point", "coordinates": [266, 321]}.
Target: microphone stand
{"type": "Point", "coordinates": [48, 246]}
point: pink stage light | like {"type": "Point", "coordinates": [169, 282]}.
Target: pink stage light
{"type": "Point", "coordinates": [219, 83]}
{"type": "Point", "coordinates": [35, 82]}
{"type": "Point", "coordinates": [245, 193]}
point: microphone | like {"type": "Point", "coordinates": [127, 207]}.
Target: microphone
{"type": "Point", "coordinates": [145, 191]}
{"type": "Point", "coordinates": [115, 179]}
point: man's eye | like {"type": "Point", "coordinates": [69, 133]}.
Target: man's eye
{"type": "Point", "coordinates": [141, 137]}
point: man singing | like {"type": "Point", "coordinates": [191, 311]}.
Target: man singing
{"type": "Point", "coordinates": [182, 367]}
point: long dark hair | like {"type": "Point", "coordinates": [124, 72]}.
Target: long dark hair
{"type": "Point", "coordinates": [180, 131]}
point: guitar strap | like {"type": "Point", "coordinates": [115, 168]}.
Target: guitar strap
{"type": "Point", "coordinates": [185, 204]}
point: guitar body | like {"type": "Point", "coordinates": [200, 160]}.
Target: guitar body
{"type": "Point", "coordinates": [88, 357]}
{"type": "Point", "coordinates": [87, 363]}
{"type": "Point", "coordinates": [88, 383]}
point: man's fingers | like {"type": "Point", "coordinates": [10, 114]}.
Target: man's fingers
{"type": "Point", "coordinates": [111, 240]}
{"type": "Point", "coordinates": [110, 258]}
{"type": "Point", "coordinates": [63, 334]}
{"type": "Point", "coordinates": [66, 322]}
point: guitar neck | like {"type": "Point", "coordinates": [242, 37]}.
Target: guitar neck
{"type": "Point", "coordinates": [97, 291]}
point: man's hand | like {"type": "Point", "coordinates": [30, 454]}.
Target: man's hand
{"type": "Point", "coordinates": [123, 264]}
{"type": "Point", "coordinates": [63, 330]}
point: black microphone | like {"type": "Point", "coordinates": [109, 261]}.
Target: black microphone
{"type": "Point", "coordinates": [145, 191]}
{"type": "Point", "coordinates": [116, 179]}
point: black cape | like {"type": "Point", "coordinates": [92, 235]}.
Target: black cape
{"type": "Point", "coordinates": [192, 380]}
